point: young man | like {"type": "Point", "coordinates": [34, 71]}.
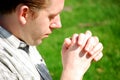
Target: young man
{"type": "Point", "coordinates": [24, 24]}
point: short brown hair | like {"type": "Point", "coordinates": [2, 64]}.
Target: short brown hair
{"type": "Point", "coordinates": [8, 6]}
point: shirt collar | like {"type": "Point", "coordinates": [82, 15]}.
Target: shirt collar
{"type": "Point", "coordinates": [14, 41]}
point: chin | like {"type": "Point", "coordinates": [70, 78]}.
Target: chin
{"type": "Point", "coordinates": [35, 43]}
{"type": "Point", "coordinates": [38, 42]}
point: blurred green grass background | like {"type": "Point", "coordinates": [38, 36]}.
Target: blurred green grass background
{"type": "Point", "coordinates": [102, 17]}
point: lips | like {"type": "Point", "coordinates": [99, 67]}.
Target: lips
{"type": "Point", "coordinates": [46, 35]}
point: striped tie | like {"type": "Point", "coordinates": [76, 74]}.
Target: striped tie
{"type": "Point", "coordinates": [43, 71]}
{"type": "Point", "coordinates": [41, 68]}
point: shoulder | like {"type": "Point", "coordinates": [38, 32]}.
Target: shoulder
{"type": "Point", "coordinates": [1, 44]}
{"type": "Point", "coordinates": [5, 72]}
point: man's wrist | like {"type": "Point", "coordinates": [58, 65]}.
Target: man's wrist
{"type": "Point", "coordinates": [71, 75]}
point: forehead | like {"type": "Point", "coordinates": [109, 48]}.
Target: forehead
{"type": "Point", "coordinates": [55, 6]}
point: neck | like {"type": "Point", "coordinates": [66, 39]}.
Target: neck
{"type": "Point", "coordinates": [10, 23]}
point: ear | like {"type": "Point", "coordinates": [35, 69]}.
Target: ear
{"type": "Point", "coordinates": [23, 12]}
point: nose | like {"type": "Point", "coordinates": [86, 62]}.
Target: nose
{"type": "Point", "coordinates": [56, 22]}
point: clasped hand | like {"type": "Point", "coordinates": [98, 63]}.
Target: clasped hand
{"type": "Point", "coordinates": [79, 51]}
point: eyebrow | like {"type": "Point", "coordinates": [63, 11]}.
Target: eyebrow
{"type": "Point", "coordinates": [54, 13]}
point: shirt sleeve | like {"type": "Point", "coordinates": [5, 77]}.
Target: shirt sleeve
{"type": "Point", "coordinates": [5, 73]}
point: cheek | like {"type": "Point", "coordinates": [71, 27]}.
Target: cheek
{"type": "Point", "coordinates": [43, 25]}
{"type": "Point", "coordinates": [40, 29]}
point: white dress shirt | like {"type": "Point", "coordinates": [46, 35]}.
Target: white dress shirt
{"type": "Point", "coordinates": [15, 63]}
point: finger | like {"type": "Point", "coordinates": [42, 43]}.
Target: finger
{"type": "Point", "coordinates": [93, 41]}
{"type": "Point", "coordinates": [97, 48]}
{"type": "Point", "coordinates": [98, 57]}
{"type": "Point", "coordinates": [74, 39]}
{"type": "Point", "coordinates": [83, 38]}
{"type": "Point", "coordinates": [95, 56]}
{"type": "Point", "coordinates": [67, 42]}
{"type": "Point", "coordinates": [65, 45]}
{"type": "Point", "coordinates": [88, 33]}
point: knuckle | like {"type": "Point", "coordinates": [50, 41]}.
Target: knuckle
{"type": "Point", "coordinates": [100, 44]}
{"type": "Point", "coordinates": [66, 39]}
{"type": "Point", "coordinates": [88, 32]}
{"type": "Point", "coordinates": [75, 34]}
{"type": "Point", "coordinates": [81, 34]}
{"type": "Point", "coordinates": [96, 38]}
{"type": "Point", "coordinates": [91, 40]}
